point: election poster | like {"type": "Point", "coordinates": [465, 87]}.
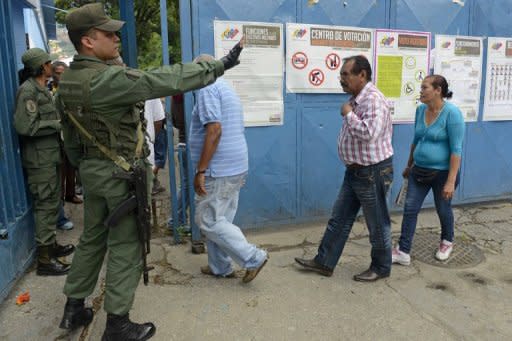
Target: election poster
{"type": "Point", "coordinates": [498, 85]}
{"type": "Point", "coordinates": [402, 61]}
{"type": "Point", "coordinates": [314, 55]}
{"type": "Point", "coordinates": [258, 80]}
{"type": "Point", "coordinates": [459, 60]}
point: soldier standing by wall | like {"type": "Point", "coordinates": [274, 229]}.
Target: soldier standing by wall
{"type": "Point", "coordinates": [37, 122]}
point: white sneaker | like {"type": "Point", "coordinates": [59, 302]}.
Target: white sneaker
{"type": "Point", "coordinates": [400, 257]}
{"type": "Point", "coordinates": [444, 251]}
{"type": "Point", "coordinates": [67, 226]}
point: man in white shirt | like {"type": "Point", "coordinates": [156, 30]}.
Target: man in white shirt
{"type": "Point", "coordinates": [155, 115]}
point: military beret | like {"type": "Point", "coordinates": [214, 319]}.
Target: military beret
{"type": "Point", "coordinates": [35, 57]}
{"type": "Point", "coordinates": [91, 16]}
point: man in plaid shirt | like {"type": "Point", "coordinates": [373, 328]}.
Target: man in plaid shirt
{"type": "Point", "coordinates": [364, 145]}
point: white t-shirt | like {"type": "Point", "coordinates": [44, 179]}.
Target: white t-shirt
{"type": "Point", "coordinates": [153, 112]}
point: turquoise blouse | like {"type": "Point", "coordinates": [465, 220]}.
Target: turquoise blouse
{"type": "Point", "coordinates": [438, 141]}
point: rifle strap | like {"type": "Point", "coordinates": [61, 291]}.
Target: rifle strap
{"type": "Point", "coordinates": [140, 142]}
{"type": "Point", "coordinates": [118, 159]}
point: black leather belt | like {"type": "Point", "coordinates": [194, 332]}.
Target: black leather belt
{"type": "Point", "coordinates": [354, 166]}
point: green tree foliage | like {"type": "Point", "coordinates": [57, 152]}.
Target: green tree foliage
{"type": "Point", "coordinates": [148, 28]}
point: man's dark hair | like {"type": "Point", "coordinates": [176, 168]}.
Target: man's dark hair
{"type": "Point", "coordinates": [58, 63]}
{"type": "Point", "coordinates": [360, 64]}
{"type": "Point", "coordinates": [76, 37]}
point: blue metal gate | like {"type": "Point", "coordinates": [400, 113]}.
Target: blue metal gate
{"type": "Point", "coordinates": [295, 172]}
{"type": "Point", "coordinates": [16, 221]}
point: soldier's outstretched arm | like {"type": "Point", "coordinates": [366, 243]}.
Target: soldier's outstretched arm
{"type": "Point", "coordinates": [126, 86]}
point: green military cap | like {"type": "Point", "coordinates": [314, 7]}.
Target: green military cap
{"type": "Point", "coordinates": [35, 57]}
{"type": "Point", "coordinates": [91, 16]}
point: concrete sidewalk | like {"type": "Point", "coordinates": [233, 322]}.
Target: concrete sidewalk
{"type": "Point", "coordinates": [422, 302]}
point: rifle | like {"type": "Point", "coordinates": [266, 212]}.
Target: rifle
{"type": "Point", "coordinates": [137, 202]}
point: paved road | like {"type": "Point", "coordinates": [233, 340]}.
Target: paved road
{"type": "Point", "coordinates": [421, 302]}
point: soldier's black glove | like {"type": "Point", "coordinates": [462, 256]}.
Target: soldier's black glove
{"type": "Point", "coordinates": [231, 59]}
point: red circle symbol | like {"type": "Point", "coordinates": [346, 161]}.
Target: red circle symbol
{"type": "Point", "coordinates": [299, 60]}
{"type": "Point", "coordinates": [332, 61]}
{"type": "Point", "coordinates": [316, 77]}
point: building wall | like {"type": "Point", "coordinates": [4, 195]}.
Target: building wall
{"type": "Point", "coordinates": [295, 172]}
{"type": "Point", "coordinates": [17, 244]}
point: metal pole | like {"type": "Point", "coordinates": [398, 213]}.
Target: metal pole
{"type": "Point", "coordinates": [128, 37]}
{"type": "Point", "coordinates": [170, 133]}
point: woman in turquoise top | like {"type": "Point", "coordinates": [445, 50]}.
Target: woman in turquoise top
{"type": "Point", "coordinates": [434, 163]}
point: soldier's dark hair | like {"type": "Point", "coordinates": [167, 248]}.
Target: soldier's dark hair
{"type": "Point", "coordinates": [27, 72]}
{"type": "Point", "coordinates": [360, 64]}
{"type": "Point", "coordinates": [76, 37]}
{"type": "Point", "coordinates": [439, 81]}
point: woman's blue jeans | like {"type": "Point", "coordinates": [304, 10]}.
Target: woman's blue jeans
{"type": "Point", "coordinates": [364, 187]}
{"type": "Point", "coordinates": [416, 193]}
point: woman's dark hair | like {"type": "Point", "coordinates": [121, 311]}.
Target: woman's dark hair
{"type": "Point", "coordinates": [360, 64]}
{"type": "Point", "coordinates": [27, 72]}
{"type": "Point", "coordinates": [439, 81]}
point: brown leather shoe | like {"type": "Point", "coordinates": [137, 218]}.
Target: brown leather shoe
{"type": "Point", "coordinates": [74, 200]}
{"type": "Point", "coordinates": [310, 264]}
{"type": "Point", "coordinates": [207, 271]}
{"type": "Point", "coordinates": [369, 276]}
{"type": "Point", "coordinates": [250, 274]}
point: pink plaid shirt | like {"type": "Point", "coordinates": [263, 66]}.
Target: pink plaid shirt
{"type": "Point", "coordinates": [365, 137]}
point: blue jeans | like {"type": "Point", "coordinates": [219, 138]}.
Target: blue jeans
{"type": "Point", "coordinates": [160, 146]}
{"type": "Point", "coordinates": [62, 219]}
{"type": "Point", "coordinates": [225, 241]}
{"type": "Point", "coordinates": [364, 187]}
{"type": "Point", "coordinates": [416, 193]}
{"type": "Point", "coordinates": [182, 195]}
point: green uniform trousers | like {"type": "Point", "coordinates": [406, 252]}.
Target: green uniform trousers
{"type": "Point", "coordinates": [44, 186]}
{"type": "Point", "coordinates": [102, 193]}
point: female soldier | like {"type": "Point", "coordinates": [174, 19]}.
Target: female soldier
{"type": "Point", "coordinates": [37, 122]}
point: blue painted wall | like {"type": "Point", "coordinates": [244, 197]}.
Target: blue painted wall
{"type": "Point", "coordinates": [17, 242]}
{"type": "Point", "coordinates": [295, 172]}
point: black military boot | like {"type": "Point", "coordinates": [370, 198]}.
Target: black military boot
{"type": "Point", "coordinates": [75, 314]}
{"type": "Point", "coordinates": [48, 264]}
{"type": "Point", "coordinates": [63, 250]}
{"type": "Point", "coordinates": [120, 328]}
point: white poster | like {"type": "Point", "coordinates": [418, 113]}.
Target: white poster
{"type": "Point", "coordinates": [459, 60]}
{"type": "Point", "coordinates": [498, 85]}
{"type": "Point", "coordinates": [258, 80]}
{"type": "Point", "coordinates": [314, 55]}
{"type": "Point", "coordinates": [402, 61]}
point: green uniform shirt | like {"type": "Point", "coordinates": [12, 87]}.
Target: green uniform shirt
{"type": "Point", "coordinates": [114, 90]}
{"type": "Point", "coordinates": [37, 122]}
{"type": "Point", "coordinates": [117, 88]}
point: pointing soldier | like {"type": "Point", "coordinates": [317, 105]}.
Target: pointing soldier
{"type": "Point", "coordinates": [102, 100]}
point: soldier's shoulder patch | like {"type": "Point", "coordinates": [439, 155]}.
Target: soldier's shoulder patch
{"type": "Point", "coordinates": [31, 106]}
{"type": "Point", "coordinates": [133, 74]}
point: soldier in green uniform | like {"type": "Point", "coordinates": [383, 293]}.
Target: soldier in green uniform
{"type": "Point", "coordinates": [37, 122]}
{"type": "Point", "coordinates": [102, 99]}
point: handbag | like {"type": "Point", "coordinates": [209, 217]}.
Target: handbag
{"type": "Point", "coordinates": [424, 175]}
